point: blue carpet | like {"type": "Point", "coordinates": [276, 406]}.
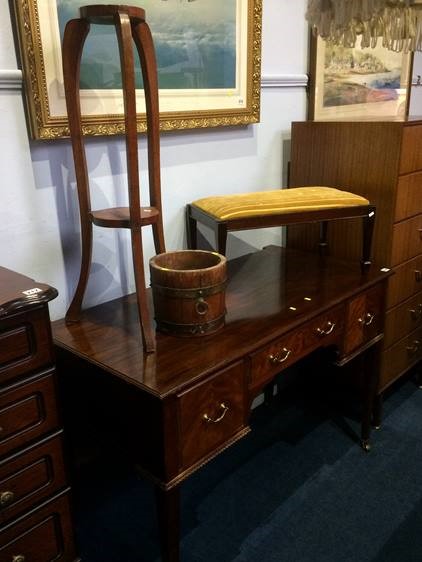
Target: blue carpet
{"type": "Point", "coordinates": [297, 489]}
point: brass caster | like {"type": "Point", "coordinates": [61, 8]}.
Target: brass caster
{"type": "Point", "coordinates": [366, 446]}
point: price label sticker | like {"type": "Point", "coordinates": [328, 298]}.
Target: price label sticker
{"type": "Point", "coordinates": [30, 292]}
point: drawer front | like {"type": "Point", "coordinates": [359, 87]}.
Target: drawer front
{"type": "Point", "coordinates": [25, 343]}
{"type": "Point", "coordinates": [363, 318]}
{"type": "Point", "coordinates": [327, 329]}
{"type": "Point", "coordinates": [408, 196]}
{"type": "Point", "coordinates": [407, 240]}
{"type": "Point", "coordinates": [406, 282]}
{"type": "Point", "coordinates": [403, 319]}
{"type": "Point", "coordinates": [285, 351]}
{"type": "Point", "coordinates": [30, 476]}
{"type": "Point", "coordinates": [211, 413]}
{"type": "Point", "coordinates": [27, 410]}
{"type": "Point", "coordinates": [45, 534]}
{"type": "Point", "coordinates": [411, 150]}
{"type": "Point", "coordinates": [400, 357]}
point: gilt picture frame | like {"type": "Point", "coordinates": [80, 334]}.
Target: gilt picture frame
{"type": "Point", "coordinates": [208, 66]}
{"type": "Point", "coordinates": [356, 83]}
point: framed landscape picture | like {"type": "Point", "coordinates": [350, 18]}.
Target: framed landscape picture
{"type": "Point", "coordinates": [357, 83]}
{"type": "Point", "coordinates": [208, 56]}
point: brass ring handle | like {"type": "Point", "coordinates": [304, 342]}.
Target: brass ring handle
{"type": "Point", "coordinates": [367, 320]}
{"type": "Point", "coordinates": [220, 417]}
{"type": "Point", "coordinates": [201, 306]}
{"type": "Point", "coordinates": [416, 313]}
{"type": "Point", "coordinates": [412, 349]}
{"type": "Point", "coordinates": [19, 558]}
{"type": "Point", "coordinates": [6, 498]}
{"type": "Point", "coordinates": [275, 359]}
{"type": "Point", "coordinates": [331, 326]}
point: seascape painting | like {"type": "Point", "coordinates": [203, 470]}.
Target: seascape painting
{"type": "Point", "coordinates": [357, 83]}
{"type": "Point", "coordinates": [195, 44]}
{"type": "Point", "coordinates": [208, 57]}
{"type": "Point", "coordinates": [353, 76]}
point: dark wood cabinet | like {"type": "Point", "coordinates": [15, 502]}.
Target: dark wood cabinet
{"type": "Point", "coordinates": [382, 161]}
{"type": "Point", "coordinates": [35, 521]}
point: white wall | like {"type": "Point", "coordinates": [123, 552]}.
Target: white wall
{"type": "Point", "coordinates": [39, 225]}
{"type": "Point", "coordinates": [415, 107]}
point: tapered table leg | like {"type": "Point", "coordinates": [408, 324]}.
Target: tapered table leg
{"type": "Point", "coordinates": [368, 231]}
{"type": "Point", "coordinates": [418, 376]}
{"type": "Point", "coordinates": [168, 512]}
{"type": "Point", "coordinates": [371, 362]}
{"type": "Point", "coordinates": [376, 421]}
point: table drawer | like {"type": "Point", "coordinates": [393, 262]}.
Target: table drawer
{"type": "Point", "coordinates": [43, 535]}
{"type": "Point", "coordinates": [408, 196]}
{"type": "Point", "coordinates": [27, 411]}
{"type": "Point", "coordinates": [285, 351]}
{"type": "Point", "coordinates": [364, 318]}
{"type": "Point", "coordinates": [31, 475]}
{"type": "Point", "coordinates": [407, 240]}
{"type": "Point", "coordinates": [25, 343]}
{"type": "Point", "coordinates": [211, 413]}
{"type": "Point", "coordinates": [411, 149]}
{"type": "Point", "coordinates": [403, 319]}
{"type": "Point", "coordinates": [325, 330]}
{"type": "Point", "coordinates": [400, 357]}
{"type": "Point", "coordinates": [406, 281]}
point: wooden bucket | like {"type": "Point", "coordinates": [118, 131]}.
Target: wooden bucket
{"type": "Point", "coordinates": [188, 289]}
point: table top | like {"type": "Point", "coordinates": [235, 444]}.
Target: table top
{"type": "Point", "coordinates": [269, 292]}
{"type": "Point", "coordinates": [18, 292]}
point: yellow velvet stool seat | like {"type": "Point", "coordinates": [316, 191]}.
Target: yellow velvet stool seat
{"type": "Point", "coordinates": [244, 211]}
{"type": "Point", "coordinates": [279, 201]}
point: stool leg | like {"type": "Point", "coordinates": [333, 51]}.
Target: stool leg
{"type": "Point", "coordinates": [323, 243]}
{"type": "Point", "coordinates": [191, 230]}
{"type": "Point", "coordinates": [368, 231]}
{"type": "Point", "coordinates": [73, 42]}
{"type": "Point", "coordinates": [221, 238]}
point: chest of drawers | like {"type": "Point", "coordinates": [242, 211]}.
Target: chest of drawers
{"type": "Point", "coordinates": [35, 521]}
{"type": "Point", "coordinates": [381, 161]}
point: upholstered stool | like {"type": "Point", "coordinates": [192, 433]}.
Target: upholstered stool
{"type": "Point", "coordinates": [244, 211]}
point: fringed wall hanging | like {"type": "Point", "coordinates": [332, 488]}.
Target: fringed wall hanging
{"type": "Point", "coordinates": [397, 24]}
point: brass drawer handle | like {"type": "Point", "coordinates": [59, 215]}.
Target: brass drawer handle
{"type": "Point", "coordinates": [418, 275]}
{"type": "Point", "coordinates": [19, 558]}
{"type": "Point", "coordinates": [420, 233]}
{"type": "Point", "coordinates": [321, 332]}
{"type": "Point", "coordinates": [6, 498]}
{"type": "Point", "coordinates": [277, 358]}
{"type": "Point", "coordinates": [416, 312]}
{"type": "Point", "coordinates": [367, 319]}
{"type": "Point", "coordinates": [412, 349]}
{"type": "Point", "coordinates": [220, 417]}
